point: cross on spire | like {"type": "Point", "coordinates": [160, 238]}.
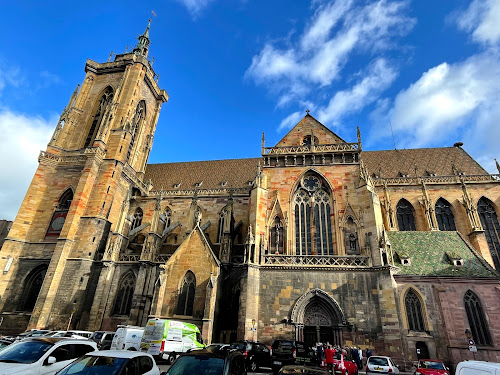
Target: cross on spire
{"type": "Point", "coordinates": [307, 111]}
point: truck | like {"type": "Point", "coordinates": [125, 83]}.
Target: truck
{"type": "Point", "coordinates": [166, 339]}
{"type": "Point", "coordinates": [127, 338]}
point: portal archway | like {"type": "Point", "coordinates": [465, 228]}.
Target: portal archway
{"type": "Point", "coordinates": [318, 317]}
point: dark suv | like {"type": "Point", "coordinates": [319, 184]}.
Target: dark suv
{"type": "Point", "coordinates": [103, 339]}
{"type": "Point", "coordinates": [290, 352]}
{"type": "Point", "coordinates": [256, 354]}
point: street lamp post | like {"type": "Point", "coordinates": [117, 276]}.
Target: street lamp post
{"type": "Point", "coordinates": [253, 329]}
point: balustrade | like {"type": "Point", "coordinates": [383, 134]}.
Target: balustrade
{"type": "Point", "coordinates": [317, 260]}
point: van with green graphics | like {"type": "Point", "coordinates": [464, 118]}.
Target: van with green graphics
{"type": "Point", "coordinates": [165, 338]}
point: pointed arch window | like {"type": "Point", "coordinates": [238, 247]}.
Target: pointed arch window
{"type": "Point", "coordinates": [168, 217]}
{"type": "Point", "coordinates": [101, 111]}
{"type": "Point", "coordinates": [123, 301]}
{"type": "Point", "coordinates": [31, 289]}
{"type": "Point", "coordinates": [406, 216]}
{"type": "Point", "coordinates": [414, 311]}
{"type": "Point", "coordinates": [276, 237]}
{"type": "Point", "coordinates": [477, 320]}
{"type": "Point", "coordinates": [489, 221]}
{"type": "Point", "coordinates": [139, 115]}
{"type": "Point", "coordinates": [137, 221]}
{"type": "Point", "coordinates": [220, 228]}
{"type": "Point", "coordinates": [312, 209]}
{"type": "Point", "coordinates": [59, 215]}
{"type": "Point", "coordinates": [186, 295]}
{"type": "Point", "coordinates": [444, 215]}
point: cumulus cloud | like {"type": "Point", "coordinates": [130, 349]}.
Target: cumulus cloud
{"type": "Point", "coordinates": [337, 30]}
{"type": "Point", "coordinates": [22, 139]}
{"type": "Point", "coordinates": [482, 20]}
{"type": "Point", "coordinates": [195, 7]}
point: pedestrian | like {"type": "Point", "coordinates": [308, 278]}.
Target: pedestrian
{"type": "Point", "coordinates": [360, 352]}
{"type": "Point", "coordinates": [368, 353]}
{"type": "Point", "coordinates": [319, 352]}
{"type": "Point", "coordinates": [329, 353]}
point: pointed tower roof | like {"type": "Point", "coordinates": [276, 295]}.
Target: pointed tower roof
{"type": "Point", "coordinates": [143, 44]}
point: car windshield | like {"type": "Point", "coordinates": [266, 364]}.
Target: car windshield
{"type": "Point", "coordinates": [241, 346]}
{"type": "Point", "coordinates": [199, 365]}
{"type": "Point", "coordinates": [432, 365]}
{"type": "Point", "coordinates": [24, 352]}
{"type": "Point", "coordinates": [282, 345]}
{"type": "Point", "coordinates": [95, 365]}
{"type": "Point", "coordinates": [379, 361]}
{"type": "Point", "coordinates": [97, 335]}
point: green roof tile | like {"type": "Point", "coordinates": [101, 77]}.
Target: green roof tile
{"type": "Point", "coordinates": [430, 254]}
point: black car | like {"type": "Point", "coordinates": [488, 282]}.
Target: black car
{"type": "Point", "coordinates": [103, 339]}
{"type": "Point", "coordinates": [211, 361]}
{"type": "Point", "coordinates": [290, 352]}
{"type": "Point", "coordinates": [256, 354]}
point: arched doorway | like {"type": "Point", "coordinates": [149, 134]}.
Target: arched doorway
{"type": "Point", "coordinates": [422, 350]}
{"type": "Point", "coordinates": [318, 317]}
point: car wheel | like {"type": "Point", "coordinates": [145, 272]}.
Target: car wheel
{"type": "Point", "coordinates": [253, 365]}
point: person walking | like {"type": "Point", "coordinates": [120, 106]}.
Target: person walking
{"type": "Point", "coordinates": [329, 353]}
{"type": "Point", "coordinates": [368, 353]}
{"type": "Point", "coordinates": [360, 352]}
{"type": "Point", "coordinates": [319, 353]}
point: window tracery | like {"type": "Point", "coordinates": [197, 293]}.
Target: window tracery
{"type": "Point", "coordinates": [123, 301]}
{"type": "Point", "coordinates": [186, 295]}
{"type": "Point", "coordinates": [32, 286]}
{"type": "Point", "coordinates": [477, 320]}
{"type": "Point", "coordinates": [406, 216]}
{"type": "Point", "coordinates": [414, 311]}
{"type": "Point", "coordinates": [137, 221]}
{"type": "Point", "coordinates": [59, 215]}
{"type": "Point", "coordinates": [99, 115]}
{"type": "Point", "coordinates": [312, 210]}
{"type": "Point", "coordinates": [140, 113]}
{"type": "Point", "coordinates": [444, 215]}
{"type": "Point", "coordinates": [491, 227]}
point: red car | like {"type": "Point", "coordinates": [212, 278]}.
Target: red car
{"type": "Point", "coordinates": [344, 365]}
{"type": "Point", "coordinates": [431, 367]}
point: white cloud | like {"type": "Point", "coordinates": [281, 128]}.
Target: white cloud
{"type": "Point", "coordinates": [195, 7]}
{"type": "Point", "coordinates": [366, 91]}
{"type": "Point", "coordinates": [338, 30]}
{"type": "Point", "coordinates": [482, 19]}
{"type": "Point", "coordinates": [291, 120]}
{"type": "Point", "coordinates": [22, 139]}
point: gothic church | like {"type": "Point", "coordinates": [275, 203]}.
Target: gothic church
{"type": "Point", "coordinates": [316, 239]}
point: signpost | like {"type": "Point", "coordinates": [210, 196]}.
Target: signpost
{"type": "Point", "coordinates": [472, 344]}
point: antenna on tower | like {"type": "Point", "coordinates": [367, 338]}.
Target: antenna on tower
{"type": "Point", "coordinates": [392, 132]}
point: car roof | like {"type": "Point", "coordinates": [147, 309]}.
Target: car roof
{"type": "Point", "coordinates": [118, 353]}
{"type": "Point", "coordinates": [55, 340]}
{"type": "Point", "coordinates": [211, 352]}
{"type": "Point", "coordinates": [431, 360]}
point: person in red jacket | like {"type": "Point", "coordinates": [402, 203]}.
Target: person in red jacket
{"type": "Point", "coordinates": [329, 353]}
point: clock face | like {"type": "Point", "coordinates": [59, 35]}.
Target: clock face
{"type": "Point", "coordinates": [58, 223]}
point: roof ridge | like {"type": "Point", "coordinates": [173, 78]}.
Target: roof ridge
{"type": "Point", "coordinates": [201, 161]}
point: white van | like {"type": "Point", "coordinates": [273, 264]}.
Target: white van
{"type": "Point", "coordinates": [167, 339]}
{"type": "Point", "coordinates": [127, 338]}
{"type": "Point", "coordinates": [478, 368]}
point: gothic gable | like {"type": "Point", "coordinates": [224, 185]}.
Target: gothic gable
{"type": "Point", "coordinates": [309, 128]}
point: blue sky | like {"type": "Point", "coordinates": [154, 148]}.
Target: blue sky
{"type": "Point", "coordinates": [237, 68]}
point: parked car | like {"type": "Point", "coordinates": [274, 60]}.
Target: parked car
{"type": "Point", "coordinates": [303, 370]}
{"type": "Point", "coordinates": [32, 333]}
{"type": "Point", "coordinates": [4, 343]}
{"type": "Point", "coordinates": [344, 365]}
{"type": "Point", "coordinates": [112, 362]}
{"type": "Point", "coordinates": [127, 338]}
{"type": "Point", "coordinates": [42, 356]}
{"type": "Point", "coordinates": [256, 354]}
{"type": "Point", "coordinates": [209, 361]}
{"type": "Point", "coordinates": [431, 367]}
{"type": "Point", "coordinates": [476, 368]}
{"type": "Point", "coordinates": [85, 334]}
{"type": "Point", "coordinates": [103, 339]}
{"type": "Point", "coordinates": [380, 365]}
{"type": "Point", "coordinates": [290, 352]}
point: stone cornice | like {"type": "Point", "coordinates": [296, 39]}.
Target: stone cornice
{"type": "Point", "coordinates": [202, 193]}
{"type": "Point", "coordinates": [435, 180]}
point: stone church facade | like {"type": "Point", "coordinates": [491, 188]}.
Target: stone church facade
{"type": "Point", "coordinates": [316, 239]}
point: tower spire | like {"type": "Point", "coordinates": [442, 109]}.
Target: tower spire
{"type": "Point", "coordinates": [143, 44]}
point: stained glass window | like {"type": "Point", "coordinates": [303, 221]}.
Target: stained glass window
{"type": "Point", "coordinates": [406, 216]}
{"type": "Point", "coordinates": [186, 296]}
{"type": "Point", "coordinates": [444, 215]}
{"type": "Point", "coordinates": [477, 320]}
{"type": "Point", "coordinates": [99, 115]}
{"type": "Point", "coordinates": [489, 221]}
{"type": "Point", "coordinates": [123, 301]}
{"type": "Point", "coordinates": [414, 311]}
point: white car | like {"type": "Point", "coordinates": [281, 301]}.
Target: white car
{"type": "Point", "coordinates": [42, 356]}
{"type": "Point", "coordinates": [112, 362]}
{"type": "Point", "coordinates": [377, 364]}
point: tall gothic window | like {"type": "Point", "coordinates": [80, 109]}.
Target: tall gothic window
{"type": "Point", "coordinates": [489, 221]}
{"type": "Point", "coordinates": [444, 215]}
{"type": "Point", "coordinates": [59, 215]}
{"type": "Point", "coordinates": [140, 113]}
{"type": "Point", "coordinates": [123, 301]}
{"type": "Point", "coordinates": [168, 217]}
{"type": "Point", "coordinates": [186, 295]}
{"type": "Point", "coordinates": [414, 311]}
{"type": "Point", "coordinates": [312, 210]}
{"type": "Point", "coordinates": [276, 237]}
{"type": "Point", "coordinates": [137, 218]}
{"type": "Point", "coordinates": [406, 215]}
{"type": "Point", "coordinates": [32, 286]}
{"type": "Point", "coordinates": [477, 320]}
{"type": "Point", "coordinates": [220, 228]}
{"type": "Point", "coordinates": [99, 115]}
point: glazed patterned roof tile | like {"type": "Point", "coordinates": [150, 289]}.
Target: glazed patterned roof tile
{"type": "Point", "coordinates": [428, 254]}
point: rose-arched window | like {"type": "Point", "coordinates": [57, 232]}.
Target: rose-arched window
{"type": "Point", "coordinates": [123, 301]}
{"type": "Point", "coordinates": [101, 110]}
{"type": "Point", "coordinates": [312, 209]}
{"type": "Point", "coordinates": [186, 295]}
{"type": "Point", "coordinates": [444, 215]}
{"type": "Point", "coordinates": [489, 221]}
{"type": "Point", "coordinates": [414, 311]}
{"type": "Point", "coordinates": [406, 216]}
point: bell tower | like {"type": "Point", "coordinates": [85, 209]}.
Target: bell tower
{"type": "Point", "coordinates": [93, 164]}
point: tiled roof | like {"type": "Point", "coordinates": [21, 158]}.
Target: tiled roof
{"type": "Point", "coordinates": [428, 255]}
{"type": "Point", "coordinates": [235, 173]}
{"type": "Point", "coordinates": [390, 163]}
